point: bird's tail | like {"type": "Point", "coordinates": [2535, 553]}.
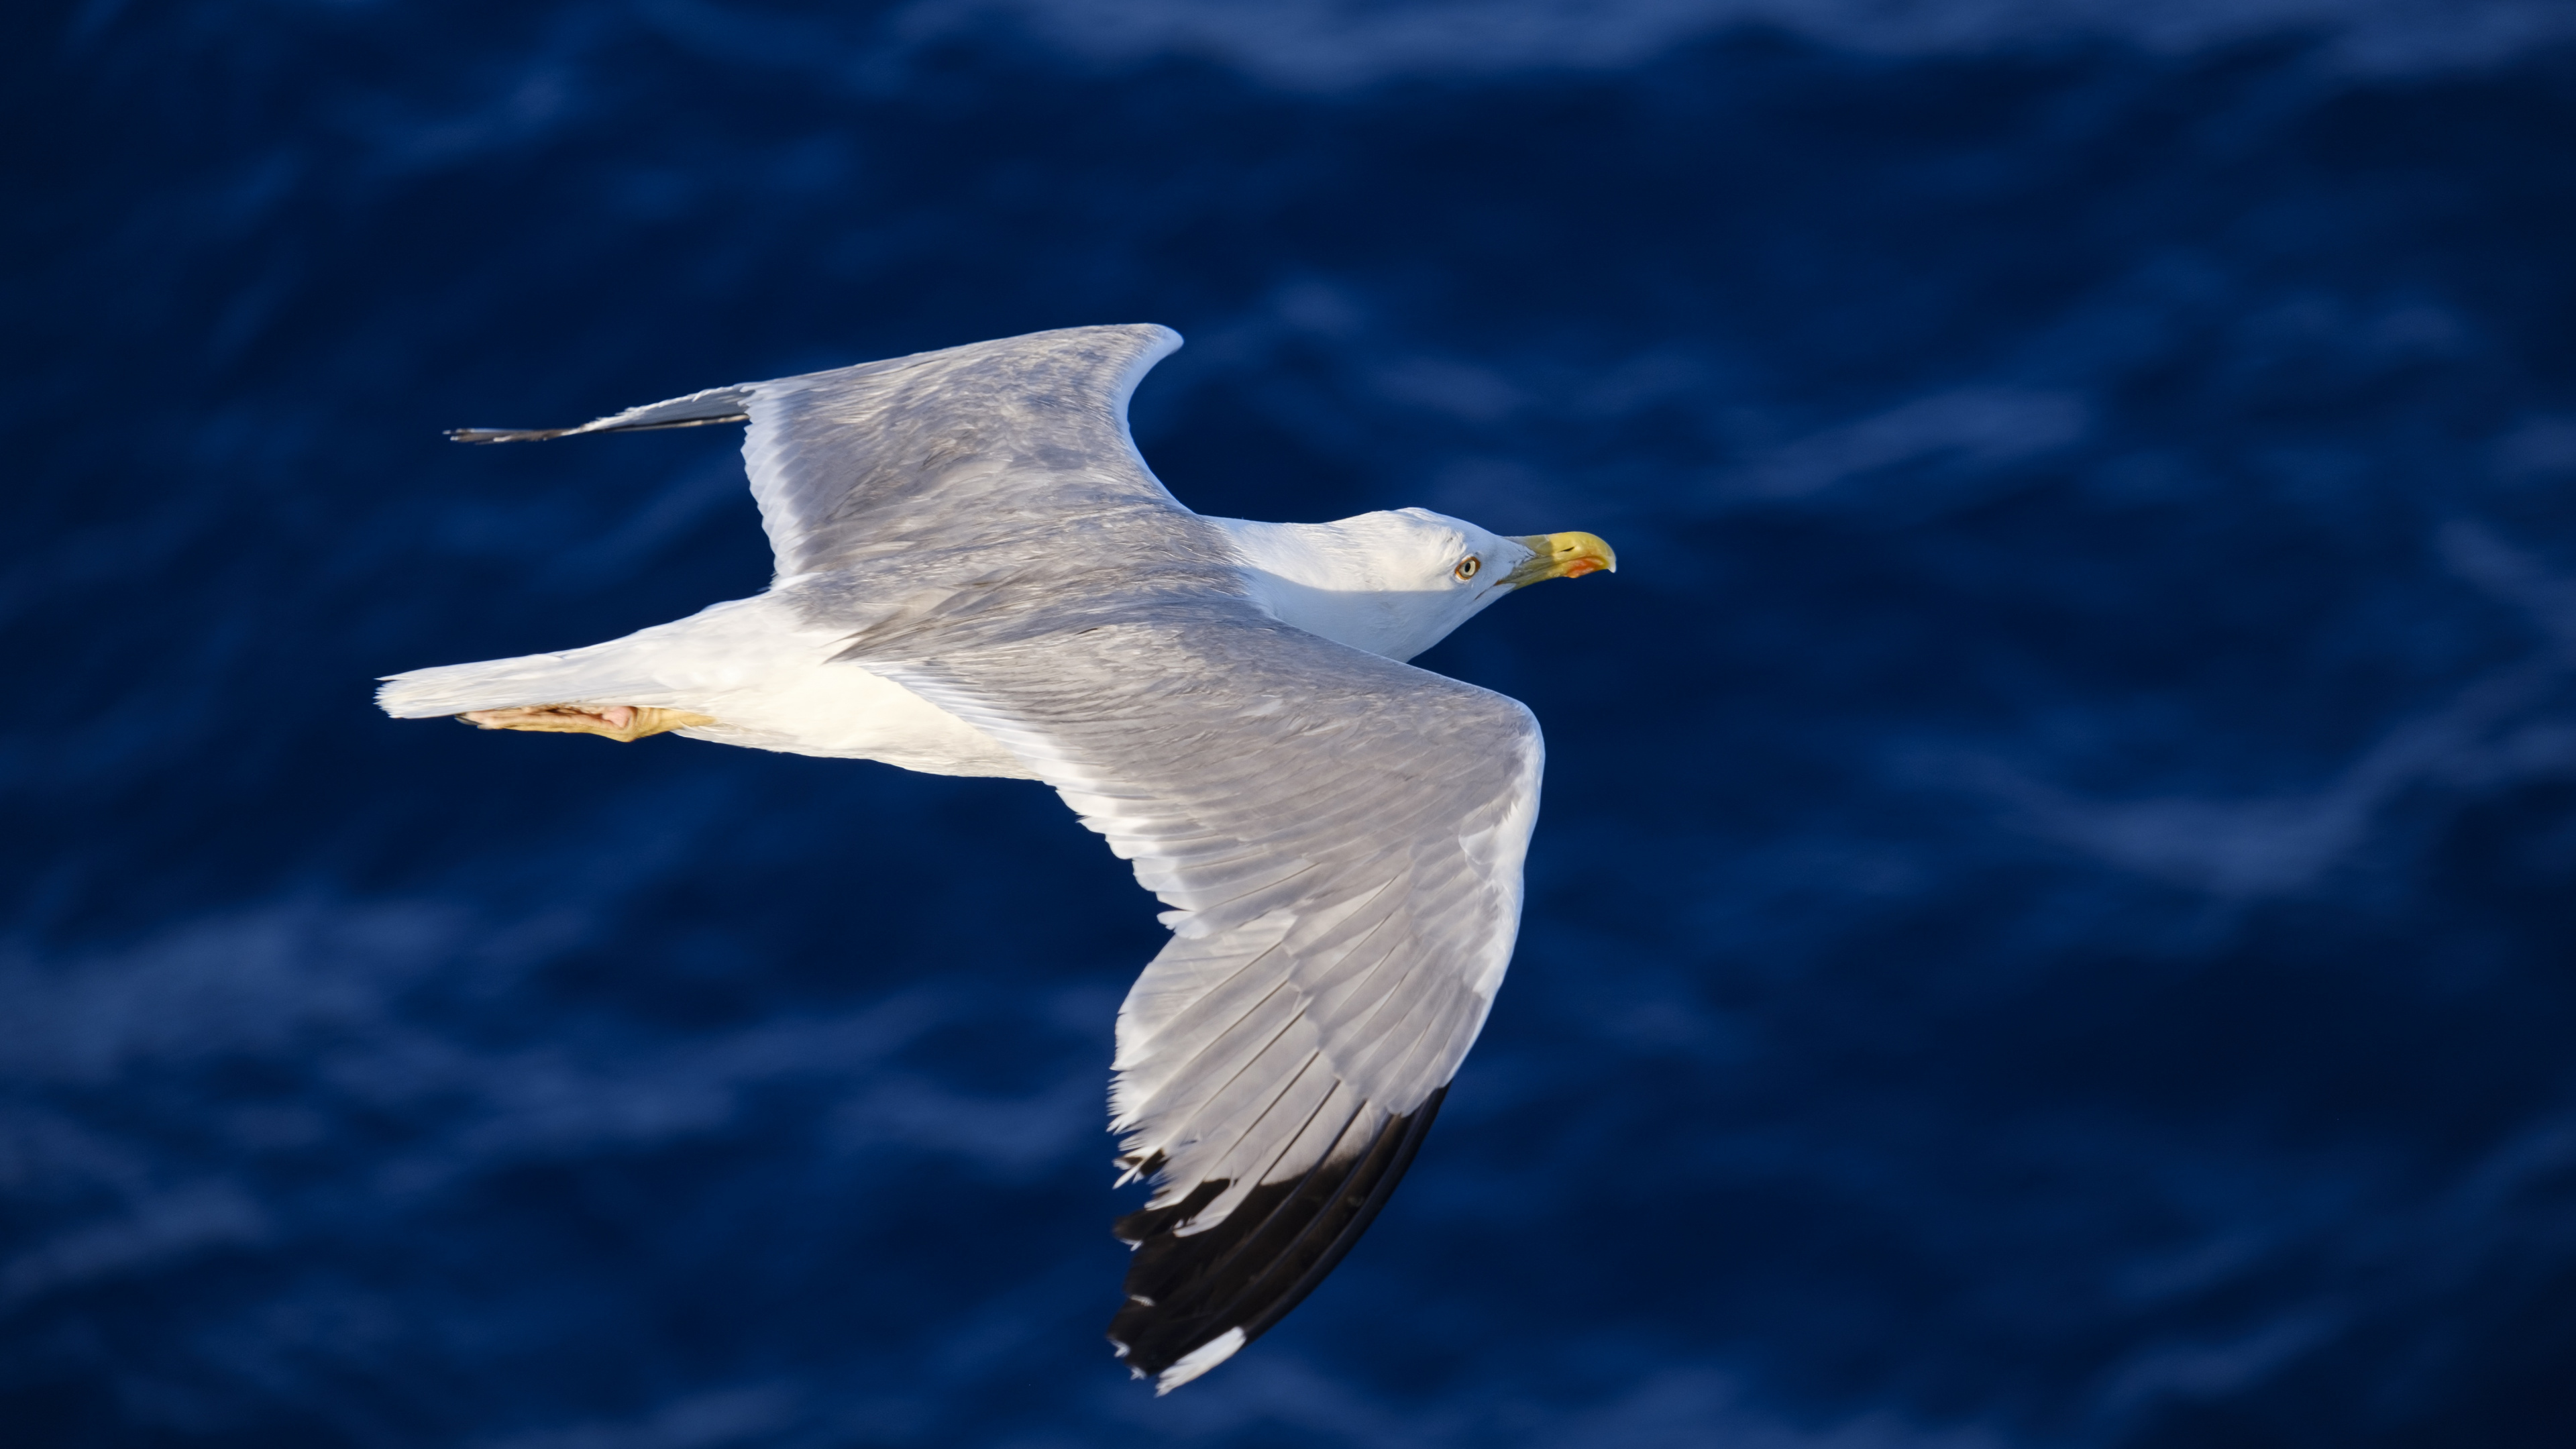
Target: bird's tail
{"type": "Point", "coordinates": [669, 666]}
{"type": "Point", "coordinates": [602, 674]}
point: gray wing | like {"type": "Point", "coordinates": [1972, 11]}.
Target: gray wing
{"type": "Point", "coordinates": [1340, 838]}
{"type": "Point", "coordinates": [858, 462]}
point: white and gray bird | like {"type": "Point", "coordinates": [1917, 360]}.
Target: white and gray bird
{"type": "Point", "coordinates": [978, 575]}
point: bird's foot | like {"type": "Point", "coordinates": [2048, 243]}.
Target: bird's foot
{"type": "Point", "coordinates": [616, 721]}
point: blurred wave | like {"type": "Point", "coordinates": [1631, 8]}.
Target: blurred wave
{"type": "Point", "coordinates": [1327, 44]}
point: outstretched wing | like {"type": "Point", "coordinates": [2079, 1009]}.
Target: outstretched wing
{"type": "Point", "coordinates": [1340, 838]}
{"type": "Point", "coordinates": [849, 463]}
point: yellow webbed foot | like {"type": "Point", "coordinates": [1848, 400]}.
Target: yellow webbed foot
{"type": "Point", "coordinates": [624, 722]}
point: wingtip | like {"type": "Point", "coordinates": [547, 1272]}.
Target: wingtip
{"type": "Point", "coordinates": [504, 435]}
{"type": "Point", "coordinates": [1249, 1268]}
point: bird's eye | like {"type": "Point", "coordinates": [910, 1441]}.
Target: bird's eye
{"type": "Point", "coordinates": [1467, 567]}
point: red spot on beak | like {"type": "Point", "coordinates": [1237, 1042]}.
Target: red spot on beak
{"type": "Point", "coordinates": [1582, 566]}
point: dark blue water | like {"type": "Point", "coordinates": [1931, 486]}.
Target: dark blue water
{"type": "Point", "coordinates": [2052, 924]}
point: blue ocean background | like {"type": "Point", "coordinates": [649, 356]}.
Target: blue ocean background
{"type": "Point", "coordinates": [2052, 919]}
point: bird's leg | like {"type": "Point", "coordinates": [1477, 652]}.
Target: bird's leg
{"type": "Point", "coordinates": [616, 721]}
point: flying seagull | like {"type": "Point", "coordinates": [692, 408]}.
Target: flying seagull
{"type": "Point", "coordinates": [978, 575]}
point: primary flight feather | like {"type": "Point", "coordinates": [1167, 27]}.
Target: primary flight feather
{"type": "Point", "coordinates": [978, 575]}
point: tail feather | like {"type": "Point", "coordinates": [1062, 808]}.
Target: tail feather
{"type": "Point", "coordinates": [579, 676]}
{"type": "Point", "coordinates": [669, 666]}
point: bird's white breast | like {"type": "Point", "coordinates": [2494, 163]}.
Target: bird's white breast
{"type": "Point", "coordinates": [841, 709]}
{"type": "Point", "coordinates": [770, 682]}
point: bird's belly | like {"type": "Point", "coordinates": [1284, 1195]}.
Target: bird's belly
{"type": "Point", "coordinates": [842, 710]}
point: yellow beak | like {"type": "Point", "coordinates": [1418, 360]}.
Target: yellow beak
{"type": "Point", "coordinates": [1561, 556]}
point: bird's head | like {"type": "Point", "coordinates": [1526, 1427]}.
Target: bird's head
{"type": "Point", "coordinates": [1396, 583]}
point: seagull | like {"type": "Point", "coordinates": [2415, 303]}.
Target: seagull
{"type": "Point", "coordinates": [977, 574]}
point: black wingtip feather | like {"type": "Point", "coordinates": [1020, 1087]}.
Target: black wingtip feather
{"type": "Point", "coordinates": [1247, 1272]}
{"type": "Point", "coordinates": [539, 435]}
{"type": "Point", "coordinates": [504, 435]}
